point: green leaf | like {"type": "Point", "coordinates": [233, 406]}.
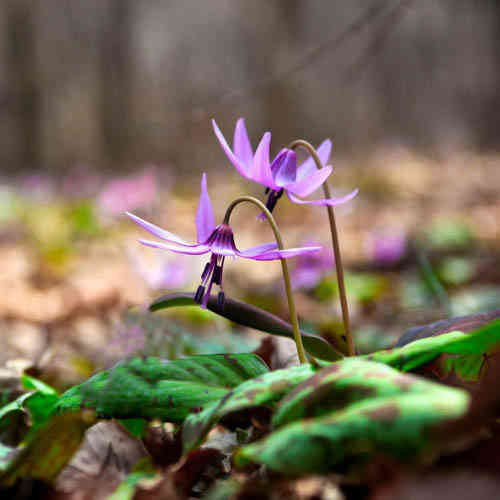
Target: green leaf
{"type": "Point", "coordinates": [16, 405]}
{"type": "Point", "coordinates": [396, 425]}
{"type": "Point", "coordinates": [341, 384]}
{"type": "Point", "coordinates": [50, 448]}
{"type": "Point", "coordinates": [264, 390]}
{"type": "Point", "coordinates": [42, 402]}
{"type": "Point", "coordinates": [135, 426]}
{"type": "Point", "coordinates": [252, 317]}
{"type": "Point", "coordinates": [415, 354]}
{"type": "Point", "coordinates": [164, 389]}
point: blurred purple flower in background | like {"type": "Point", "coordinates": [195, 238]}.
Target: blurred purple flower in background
{"type": "Point", "coordinates": [216, 240]}
{"type": "Point", "coordinates": [161, 272]}
{"type": "Point", "coordinates": [387, 246]}
{"type": "Point", "coordinates": [310, 268]}
{"type": "Point", "coordinates": [38, 187]}
{"type": "Point", "coordinates": [81, 182]}
{"type": "Point", "coordinates": [282, 174]}
{"type": "Point", "coordinates": [128, 193]}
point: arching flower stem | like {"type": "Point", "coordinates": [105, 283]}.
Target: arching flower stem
{"type": "Point", "coordinates": [300, 143]}
{"type": "Point", "coordinates": [284, 267]}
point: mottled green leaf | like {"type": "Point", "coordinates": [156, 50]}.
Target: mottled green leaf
{"type": "Point", "coordinates": [159, 388]}
{"type": "Point", "coordinates": [464, 324]}
{"type": "Point", "coordinates": [341, 384]}
{"type": "Point", "coordinates": [485, 340]}
{"type": "Point", "coordinates": [264, 390]}
{"type": "Point", "coordinates": [252, 317]}
{"type": "Point", "coordinates": [50, 448]}
{"type": "Point", "coordinates": [395, 425]}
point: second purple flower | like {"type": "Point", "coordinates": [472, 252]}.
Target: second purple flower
{"type": "Point", "coordinates": [282, 174]}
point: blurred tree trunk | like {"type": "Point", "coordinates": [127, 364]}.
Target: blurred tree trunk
{"type": "Point", "coordinates": [115, 86]}
{"type": "Point", "coordinates": [22, 102]}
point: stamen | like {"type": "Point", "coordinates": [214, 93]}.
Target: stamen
{"type": "Point", "coordinates": [199, 294]}
{"type": "Point", "coordinates": [205, 271]}
{"type": "Point", "coordinates": [217, 275]}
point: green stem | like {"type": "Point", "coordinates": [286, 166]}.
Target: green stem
{"type": "Point", "coordinates": [284, 267]}
{"type": "Point", "coordinates": [336, 247]}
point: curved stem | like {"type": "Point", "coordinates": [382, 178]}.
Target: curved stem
{"type": "Point", "coordinates": [335, 244]}
{"type": "Point", "coordinates": [284, 267]}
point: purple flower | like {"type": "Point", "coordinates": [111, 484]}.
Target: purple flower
{"type": "Point", "coordinates": [309, 269]}
{"type": "Point", "coordinates": [388, 247]}
{"type": "Point", "coordinates": [216, 240]}
{"type": "Point", "coordinates": [128, 193]}
{"type": "Point", "coordinates": [160, 273]}
{"type": "Point", "coordinates": [282, 174]}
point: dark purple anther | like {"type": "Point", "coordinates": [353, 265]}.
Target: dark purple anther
{"type": "Point", "coordinates": [217, 276]}
{"type": "Point", "coordinates": [198, 297]}
{"type": "Point", "coordinates": [204, 274]}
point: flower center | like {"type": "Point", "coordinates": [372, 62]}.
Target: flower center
{"type": "Point", "coordinates": [273, 198]}
{"type": "Point", "coordinates": [221, 241]}
{"type": "Point", "coordinates": [284, 168]}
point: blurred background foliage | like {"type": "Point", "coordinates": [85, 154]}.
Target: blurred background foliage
{"type": "Point", "coordinates": [105, 106]}
{"type": "Point", "coordinates": [117, 82]}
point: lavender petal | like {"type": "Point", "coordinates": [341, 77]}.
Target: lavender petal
{"type": "Point", "coordinates": [157, 231]}
{"type": "Point", "coordinates": [333, 202]}
{"type": "Point", "coordinates": [241, 144]}
{"type": "Point", "coordinates": [193, 250]}
{"type": "Point", "coordinates": [309, 184]}
{"type": "Point", "coordinates": [237, 163]}
{"type": "Point", "coordinates": [205, 222]}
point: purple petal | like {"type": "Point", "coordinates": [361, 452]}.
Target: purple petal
{"type": "Point", "coordinates": [237, 163]}
{"type": "Point", "coordinates": [333, 202]}
{"type": "Point", "coordinates": [241, 145]}
{"type": "Point", "coordinates": [194, 250]}
{"type": "Point", "coordinates": [309, 166]}
{"type": "Point", "coordinates": [251, 252]}
{"type": "Point", "coordinates": [157, 231]}
{"type": "Point", "coordinates": [309, 184]}
{"type": "Point", "coordinates": [284, 254]}
{"type": "Point", "coordinates": [205, 222]}
{"type": "Point", "coordinates": [261, 170]}
{"type": "Point", "coordinates": [284, 167]}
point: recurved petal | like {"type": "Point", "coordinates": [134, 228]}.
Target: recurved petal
{"type": "Point", "coordinates": [284, 254]}
{"type": "Point", "coordinates": [309, 184]}
{"type": "Point", "coordinates": [193, 250]}
{"type": "Point", "coordinates": [241, 144]}
{"type": "Point", "coordinates": [237, 163]}
{"type": "Point", "coordinates": [205, 222]}
{"type": "Point", "coordinates": [157, 231]}
{"type": "Point", "coordinates": [251, 252]}
{"type": "Point", "coordinates": [309, 166]}
{"type": "Point", "coordinates": [333, 202]}
{"type": "Point", "coordinates": [261, 169]}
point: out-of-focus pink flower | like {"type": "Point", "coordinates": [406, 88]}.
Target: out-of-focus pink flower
{"type": "Point", "coordinates": [37, 187]}
{"type": "Point", "coordinates": [81, 182]}
{"type": "Point", "coordinates": [129, 193]}
{"type": "Point", "coordinates": [310, 268]}
{"type": "Point", "coordinates": [162, 272]}
{"type": "Point", "coordinates": [388, 246]}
